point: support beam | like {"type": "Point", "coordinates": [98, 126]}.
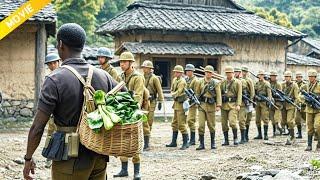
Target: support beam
{"type": "Point", "coordinates": [41, 40]}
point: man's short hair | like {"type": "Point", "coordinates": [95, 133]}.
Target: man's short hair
{"type": "Point", "coordinates": [72, 35]}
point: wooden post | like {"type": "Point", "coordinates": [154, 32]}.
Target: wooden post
{"type": "Point", "coordinates": [41, 40]}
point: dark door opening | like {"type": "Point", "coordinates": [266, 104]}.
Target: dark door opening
{"type": "Point", "coordinates": [215, 64]}
{"type": "Point", "coordinates": [197, 62]}
{"type": "Point", "coordinates": [162, 68]}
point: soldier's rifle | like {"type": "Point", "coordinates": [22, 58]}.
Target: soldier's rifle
{"type": "Point", "coordinates": [192, 96]}
{"type": "Point", "coordinates": [214, 75]}
{"type": "Point", "coordinates": [310, 99]}
{"type": "Point", "coordinates": [245, 97]}
{"type": "Point", "coordinates": [269, 101]}
{"type": "Point", "coordinates": [287, 99]}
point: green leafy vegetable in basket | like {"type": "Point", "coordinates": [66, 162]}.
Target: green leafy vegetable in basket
{"type": "Point", "coordinates": [95, 121]}
{"type": "Point", "coordinates": [99, 98]}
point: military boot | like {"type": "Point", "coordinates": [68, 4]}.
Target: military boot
{"type": "Point", "coordinates": [247, 133]}
{"type": "Point", "coordinates": [265, 130]}
{"type": "Point", "coordinates": [185, 139]}
{"type": "Point", "coordinates": [274, 130]}
{"type": "Point", "coordinates": [259, 133]}
{"type": "Point", "coordinates": [242, 133]}
{"type": "Point", "coordinates": [146, 143]}
{"type": "Point", "coordinates": [309, 147]}
{"type": "Point", "coordinates": [201, 145]}
{"type": "Point", "coordinates": [174, 140]}
{"type": "Point", "coordinates": [299, 132]}
{"type": "Point", "coordinates": [226, 139]}
{"type": "Point", "coordinates": [192, 138]}
{"type": "Point", "coordinates": [279, 129]}
{"type": "Point", "coordinates": [124, 170]}
{"type": "Point", "coordinates": [136, 170]}
{"type": "Point", "coordinates": [291, 138]}
{"type": "Point", "coordinates": [235, 137]}
{"type": "Point", "coordinates": [213, 142]}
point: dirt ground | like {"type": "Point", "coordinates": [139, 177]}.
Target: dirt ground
{"type": "Point", "coordinates": [172, 163]}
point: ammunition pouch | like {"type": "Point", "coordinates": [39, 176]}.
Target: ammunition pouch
{"type": "Point", "coordinates": [181, 99]}
{"type": "Point", "coordinates": [207, 100]}
{"type": "Point", "coordinates": [226, 99]}
{"type": "Point", "coordinates": [62, 145]}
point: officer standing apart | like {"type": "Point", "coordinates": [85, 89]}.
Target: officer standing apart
{"type": "Point", "coordinates": [291, 90]}
{"type": "Point", "coordinates": [104, 56]}
{"type": "Point", "coordinates": [244, 105]}
{"type": "Point", "coordinates": [134, 83]}
{"type": "Point", "coordinates": [231, 90]}
{"type": "Point", "coordinates": [301, 115]}
{"type": "Point", "coordinates": [262, 109]}
{"type": "Point", "coordinates": [62, 96]}
{"type": "Point", "coordinates": [210, 102]}
{"type": "Point", "coordinates": [275, 114]}
{"type": "Point", "coordinates": [152, 83]}
{"type": "Point", "coordinates": [245, 75]}
{"type": "Point", "coordinates": [53, 62]}
{"type": "Point", "coordinates": [179, 118]}
{"type": "Point", "coordinates": [313, 114]}
{"type": "Point", "coordinates": [192, 83]}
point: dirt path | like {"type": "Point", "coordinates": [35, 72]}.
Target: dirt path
{"type": "Point", "coordinates": [171, 163]}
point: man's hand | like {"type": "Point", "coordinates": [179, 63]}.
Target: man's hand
{"type": "Point", "coordinates": [159, 106]}
{"type": "Point", "coordinates": [29, 166]}
{"type": "Point", "coordinates": [238, 108]}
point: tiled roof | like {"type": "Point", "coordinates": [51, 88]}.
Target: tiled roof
{"type": "Point", "coordinates": [176, 48]}
{"type": "Point", "coordinates": [296, 59]}
{"type": "Point", "coordinates": [315, 43]}
{"type": "Point", "coordinates": [143, 15]}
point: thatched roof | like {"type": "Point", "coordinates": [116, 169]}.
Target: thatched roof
{"type": "Point", "coordinates": [164, 48]}
{"type": "Point", "coordinates": [154, 16]}
{"type": "Point", "coordinates": [47, 15]}
{"type": "Point", "coordinates": [297, 59]}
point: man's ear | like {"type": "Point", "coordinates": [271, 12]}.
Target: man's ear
{"type": "Point", "coordinates": [60, 44]}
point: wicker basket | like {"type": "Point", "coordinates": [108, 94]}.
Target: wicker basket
{"type": "Point", "coordinates": [121, 140]}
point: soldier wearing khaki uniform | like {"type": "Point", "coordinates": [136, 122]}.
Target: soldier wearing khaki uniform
{"type": "Point", "coordinates": [275, 114]}
{"type": "Point", "coordinates": [313, 114]}
{"type": "Point", "coordinates": [135, 83]}
{"type": "Point", "coordinates": [210, 102]}
{"type": "Point", "coordinates": [242, 116]}
{"type": "Point", "coordinates": [104, 56]}
{"type": "Point", "coordinates": [179, 118]}
{"type": "Point", "coordinates": [262, 109]}
{"type": "Point", "coordinates": [245, 71]}
{"type": "Point", "coordinates": [152, 83]}
{"type": "Point", "coordinates": [291, 90]}
{"type": "Point", "coordinates": [231, 90]}
{"type": "Point", "coordinates": [300, 115]}
{"type": "Point", "coordinates": [192, 83]}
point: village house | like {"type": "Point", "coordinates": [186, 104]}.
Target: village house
{"type": "Point", "coordinates": [22, 55]}
{"type": "Point", "coordinates": [201, 32]}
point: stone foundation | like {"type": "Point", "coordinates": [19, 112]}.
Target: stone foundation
{"type": "Point", "coordinates": [18, 109]}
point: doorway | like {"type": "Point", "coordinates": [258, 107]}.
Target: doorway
{"type": "Point", "coordinates": [162, 68]}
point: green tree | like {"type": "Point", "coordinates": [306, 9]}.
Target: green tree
{"type": "Point", "coordinates": [274, 16]}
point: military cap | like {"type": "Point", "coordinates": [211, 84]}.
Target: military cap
{"type": "Point", "coordinates": [178, 68]}
{"type": "Point", "coordinates": [147, 64]}
{"type": "Point", "coordinates": [237, 69]}
{"type": "Point", "coordinates": [299, 74]}
{"type": "Point", "coordinates": [273, 73]}
{"type": "Point", "coordinates": [190, 67]}
{"type": "Point", "coordinates": [104, 52]}
{"type": "Point", "coordinates": [261, 72]}
{"type": "Point", "coordinates": [209, 68]}
{"type": "Point", "coordinates": [229, 69]}
{"type": "Point", "coordinates": [126, 56]}
{"type": "Point", "coordinates": [288, 74]}
{"type": "Point", "coordinates": [51, 57]}
{"type": "Point", "coordinates": [312, 72]}
{"type": "Point", "coordinates": [245, 68]}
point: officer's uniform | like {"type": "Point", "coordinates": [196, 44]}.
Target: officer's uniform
{"type": "Point", "coordinates": [135, 83]}
{"type": "Point", "coordinates": [192, 83]}
{"type": "Point", "coordinates": [313, 115]}
{"type": "Point", "coordinates": [251, 92]}
{"type": "Point", "coordinates": [209, 97]}
{"type": "Point", "coordinates": [105, 52]}
{"type": "Point", "coordinates": [291, 90]}
{"type": "Point", "coordinates": [242, 115]}
{"type": "Point", "coordinates": [231, 91]}
{"type": "Point", "coordinates": [275, 114]}
{"type": "Point", "coordinates": [179, 118]}
{"type": "Point", "coordinates": [301, 115]}
{"type": "Point", "coordinates": [262, 110]}
{"type": "Point", "coordinates": [62, 96]}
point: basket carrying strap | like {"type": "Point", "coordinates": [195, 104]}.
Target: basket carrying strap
{"type": "Point", "coordinates": [87, 88]}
